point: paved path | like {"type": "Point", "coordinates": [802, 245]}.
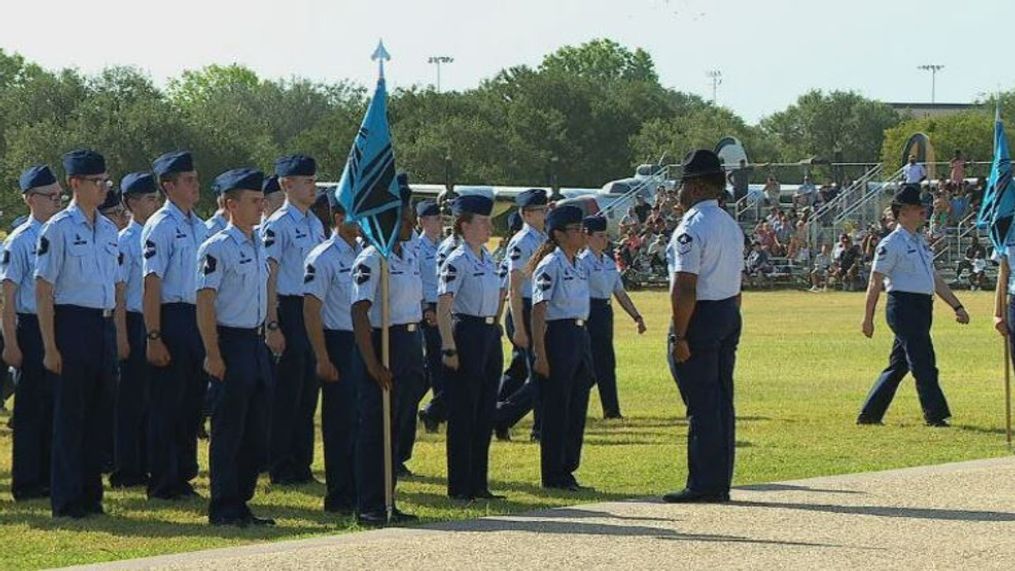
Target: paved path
{"type": "Point", "coordinates": [951, 516]}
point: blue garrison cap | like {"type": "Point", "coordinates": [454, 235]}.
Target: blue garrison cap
{"type": "Point", "coordinates": [472, 204]}
{"type": "Point", "coordinates": [515, 222]}
{"type": "Point", "coordinates": [36, 176]}
{"type": "Point", "coordinates": [238, 179]}
{"type": "Point", "coordinates": [270, 185]}
{"type": "Point", "coordinates": [427, 208]}
{"type": "Point", "coordinates": [531, 197]}
{"type": "Point", "coordinates": [83, 162]}
{"type": "Point", "coordinates": [112, 200]}
{"type": "Point", "coordinates": [561, 216]}
{"type": "Point", "coordinates": [174, 162]}
{"type": "Point", "coordinates": [594, 224]}
{"type": "Point", "coordinates": [138, 183]}
{"type": "Point", "coordinates": [295, 165]}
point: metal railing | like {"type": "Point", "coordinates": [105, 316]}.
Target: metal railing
{"type": "Point", "coordinates": [652, 182]}
{"type": "Point", "coordinates": [833, 209]}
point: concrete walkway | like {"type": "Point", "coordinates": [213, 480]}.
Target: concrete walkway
{"type": "Point", "coordinates": [951, 516]}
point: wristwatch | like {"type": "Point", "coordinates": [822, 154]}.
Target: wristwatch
{"type": "Point", "coordinates": [272, 326]}
{"type": "Point", "coordinates": [154, 335]}
{"type": "Point", "coordinates": [449, 352]}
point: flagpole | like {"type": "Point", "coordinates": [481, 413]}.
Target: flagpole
{"type": "Point", "coordinates": [389, 484]}
{"type": "Point", "coordinates": [1007, 390]}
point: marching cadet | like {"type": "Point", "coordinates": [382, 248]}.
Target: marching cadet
{"type": "Point", "coordinates": [512, 408]}
{"type": "Point", "coordinates": [468, 313]}
{"type": "Point", "coordinates": [33, 415]}
{"type": "Point", "coordinates": [706, 263]}
{"type": "Point", "coordinates": [560, 308]}
{"type": "Point", "coordinates": [219, 220]}
{"type": "Point", "coordinates": [232, 300]}
{"type": "Point", "coordinates": [604, 283]}
{"type": "Point", "coordinates": [141, 199]}
{"type": "Point", "coordinates": [327, 308]}
{"type": "Point", "coordinates": [77, 277]}
{"type": "Point", "coordinates": [904, 265]}
{"type": "Point", "coordinates": [170, 239]}
{"type": "Point", "coordinates": [289, 234]}
{"type": "Point", "coordinates": [406, 365]}
{"type": "Point", "coordinates": [428, 213]}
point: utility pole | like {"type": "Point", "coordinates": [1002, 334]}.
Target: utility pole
{"type": "Point", "coordinates": [437, 61]}
{"type": "Point", "coordinates": [933, 69]}
{"type": "Point", "coordinates": [716, 77]}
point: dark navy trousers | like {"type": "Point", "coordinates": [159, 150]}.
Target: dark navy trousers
{"type": "Point", "coordinates": [527, 397]}
{"type": "Point", "coordinates": [33, 414]}
{"type": "Point", "coordinates": [131, 409]}
{"type": "Point", "coordinates": [705, 382]}
{"type": "Point", "coordinates": [437, 408]}
{"type": "Point", "coordinates": [340, 421]}
{"type": "Point", "coordinates": [239, 423]}
{"type": "Point", "coordinates": [565, 400]}
{"type": "Point", "coordinates": [909, 316]}
{"type": "Point", "coordinates": [517, 370]}
{"type": "Point", "coordinates": [472, 400]}
{"type": "Point", "coordinates": [604, 360]}
{"type": "Point", "coordinates": [177, 403]}
{"type": "Point", "coordinates": [407, 368]}
{"type": "Point", "coordinates": [295, 398]}
{"type": "Point", "coordinates": [89, 360]}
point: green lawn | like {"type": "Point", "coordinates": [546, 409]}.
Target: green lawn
{"type": "Point", "coordinates": [803, 370]}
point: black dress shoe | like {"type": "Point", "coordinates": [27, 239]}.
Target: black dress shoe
{"type": "Point", "coordinates": [488, 495]}
{"type": "Point", "coordinates": [938, 423]}
{"type": "Point", "coordinates": [398, 516]}
{"type": "Point", "coordinates": [686, 496]}
{"type": "Point", "coordinates": [460, 498]}
{"type": "Point", "coordinates": [430, 424]}
{"type": "Point", "coordinates": [30, 494]}
{"type": "Point", "coordinates": [230, 521]}
{"type": "Point", "coordinates": [613, 416]}
{"type": "Point", "coordinates": [260, 521]}
{"type": "Point", "coordinates": [372, 519]}
{"type": "Point", "coordinates": [866, 420]}
{"type": "Point", "coordinates": [502, 434]}
{"type": "Point", "coordinates": [562, 487]}
{"type": "Point", "coordinates": [75, 512]}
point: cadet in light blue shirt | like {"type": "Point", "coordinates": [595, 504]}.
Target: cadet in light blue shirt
{"type": "Point", "coordinates": [468, 312]}
{"type": "Point", "coordinates": [170, 240]}
{"type": "Point", "coordinates": [327, 309]}
{"type": "Point", "coordinates": [77, 270]}
{"type": "Point", "coordinates": [289, 235]}
{"type": "Point", "coordinates": [447, 245]}
{"type": "Point", "coordinates": [219, 220]}
{"type": "Point", "coordinates": [141, 199]}
{"type": "Point", "coordinates": [604, 283]}
{"type": "Point", "coordinates": [428, 244]}
{"type": "Point", "coordinates": [23, 350]}
{"type": "Point", "coordinates": [560, 305]}
{"type": "Point", "coordinates": [232, 299]}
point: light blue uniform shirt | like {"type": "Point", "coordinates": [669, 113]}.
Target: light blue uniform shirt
{"type": "Point", "coordinates": [563, 286]}
{"type": "Point", "coordinates": [473, 281]}
{"type": "Point", "coordinates": [169, 243]}
{"type": "Point", "coordinates": [427, 252]}
{"type": "Point", "coordinates": [130, 265]}
{"type": "Point", "coordinates": [906, 261]}
{"type": "Point", "coordinates": [708, 243]}
{"type": "Point", "coordinates": [288, 236]}
{"type": "Point", "coordinates": [406, 287]}
{"type": "Point", "coordinates": [604, 278]}
{"type": "Point", "coordinates": [18, 263]}
{"type": "Point", "coordinates": [445, 248]}
{"type": "Point", "coordinates": [328, 277]}
{"type": "Point", "coordinates": [236, 267]}
{"type": "Point", "coordinates": [216, 224]}
{"type": "Point", "coordinates": [79, 259]}
{"type": "Point", "coordinates": [519, 249]}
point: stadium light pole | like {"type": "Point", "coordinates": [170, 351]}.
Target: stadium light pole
{"type": "Point", "coordinates": [716, 77]}
{"type": "Point", "coordinates": [933, 68]}
{"type": "Point", "coordinates": [437, 61]}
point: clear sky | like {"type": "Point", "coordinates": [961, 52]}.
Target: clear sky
{"type": "Point", "coordinates": [768, 51]}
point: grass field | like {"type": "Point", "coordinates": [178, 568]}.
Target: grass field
{"type": "Point", "coordinates": [803, 370]}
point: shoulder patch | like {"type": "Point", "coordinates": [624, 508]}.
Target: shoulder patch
{"type": "Point", "coordinates": [119, 258]}
{"type": "Point", "coordinates": [502, 270]}
{"type": "Point", "coordinates": [684, 243]}
{"type": "Point", "coordinates": [449, 273]}
{"type": "Point", "coordinates": [882, 250]}
{"type": "Point", "coordinates": [309, 274]}
{"type": "Point", "coordinates": [361, 274]}
{"type": "Point", "coordinates": [210, 264]}
{"type": "Point", "coordinates": [149, 249]}
{"type": "Point", "coordinates": [544, 281]}
{"type": "Point", "coordinates": [43, 248]}
{"type": "Point", "coordinates": [516, 253]}
{"type": "Point", "coordinates": [269, 237]}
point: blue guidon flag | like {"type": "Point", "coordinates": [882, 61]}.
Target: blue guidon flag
{"type": "Point", "coordinates": [998, 206]}
{"type": "Point", "coordinates": [368, 189]}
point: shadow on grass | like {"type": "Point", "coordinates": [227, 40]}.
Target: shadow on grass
{"type": "Point", "coordinates": [529, 488]}
{"type": "Point", "coordinates": [792, 488]}
{"type": "Point", "coordinates": [888, 511]}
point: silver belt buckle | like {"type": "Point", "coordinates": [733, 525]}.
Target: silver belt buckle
{"type": "Point", "coordinates": [489, 320]}
{"type": "Point", "coordinates": [107, 313]}
{"type": "Point", "coordinates": [579, 322]}
{"type": "Point", "coordinates": [410, 327]}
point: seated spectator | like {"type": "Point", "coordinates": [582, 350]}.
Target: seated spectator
{"type": "Point", "coordinates": [819, 275]}
{"type": "Point", "coordinates": [972, 252]}
{"type": "Point", "coordinates": [772, 190]}
{"type": "Point", "coordinates": [767, 238]}
{"type": "Point", "coordinates": [641, 208]}
{"type": "Point", "coordinates": [656, 252]}
{"type": "Point", "coordinates": [630, 221]}
{"type": "Point", "coordinates": [978, 279]}
{"type": "Point", "coordinates": [758, 260]}
{"type": "Point", "coordinates": [848, 265]}
{"type": "Point", "coordinates": [804, 195]}
{"type": "Point", "coordinates": [942, 211]}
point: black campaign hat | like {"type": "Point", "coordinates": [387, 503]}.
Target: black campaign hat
{"type": "Point", "coordinates": [699, 163]}
{"type": "Point", "coordinates": [909, 194]}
